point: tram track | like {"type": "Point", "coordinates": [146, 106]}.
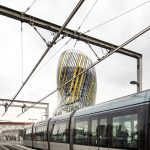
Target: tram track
{"type": "Point", "coordinates": [2, 148]}
{"type": "Point", "coordinates": [12, 147]}
{"type": "Point", "coordinates": [18, 147]}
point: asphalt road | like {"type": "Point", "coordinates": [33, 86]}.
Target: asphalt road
{"type": "Point", "coordinates": [13, 146]}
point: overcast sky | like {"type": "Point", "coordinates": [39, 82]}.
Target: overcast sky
{"type": "Point", "coordinates": [113, 74]}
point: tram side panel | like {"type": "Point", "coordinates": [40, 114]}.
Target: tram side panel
{"type": "Point", "coordinates": [40, 137]}
{"type": "Point", "coordinates": [149, 126]}
{"type": "Point", "coordinates": [120, 129]}
{"type": "Point", "coordinates": [146, 118]}
{"type": "Point", "coordinates": [128, 128]}
{"type": "Point", "coordinates": [123, 128]}
{"type": "Point", "coordinates": [81, 133]}
{"type": "Point", "coordinates": [28, 136]}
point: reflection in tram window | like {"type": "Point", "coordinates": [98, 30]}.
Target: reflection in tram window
{"type": "Point", "coordinates": [94, 132]}
{"type": "Point", "coordinates": [54, 134]}
{"type": "Point", "coordinates": [40, 133]}
{"type": "Point", "coordinates": [125, 133]}
{"type": "Point", "coordinates": [28, 134]}
{"type": "Point", "coordinates": [60, 133]}
{"type": "Point", "coordinates": [81, 133]}
{"type": "Point", "coordinates": [103, 130]}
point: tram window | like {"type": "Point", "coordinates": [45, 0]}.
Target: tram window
{"type": "Point", "coordinates": [41, 133]}
{"type": "Point", "coordinates": [24, 134]}
{"type": "Point", "coordinates": [38, 134]}
{"type": "Point", "coordinates": [54, 133]}
{"type": "Point", "coordinates": [28, 134]}
{"type": "Point", "coordinates": [81, 133]}
{"type": "Point", "coordinates": [45, 133]}
{"type": "Point", "coordinates": [94, 132]}
{"type": "Point", "coordinates": [34, 134]}
{"type": "Point", "coordinates": [50, 130]}
{"type": "Point", "coordinates": [103, 132]}
{"type": "Point", "coordinates": [60, 133]}
{"type": "Point", "coordinates": [124, 131]}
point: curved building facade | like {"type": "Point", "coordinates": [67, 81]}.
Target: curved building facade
{"type": "Point", "coordinates": [80, 92]}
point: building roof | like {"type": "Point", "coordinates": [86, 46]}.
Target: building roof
{"type": "Point", "coordinates": [15, 123]}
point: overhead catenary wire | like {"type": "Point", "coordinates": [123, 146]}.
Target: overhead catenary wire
{"type": "Point", "coordinates": [53, 55]}
{"type": "Point", "coordinates": [39, 34]}
{"type": "Point", "coordinates": [116, 17]}
{"type": "Point", "coordinates": [87, 15]}
{"type": "Point", "coordinates": [94, 64]}
{"type": "Point", "coordinates": [22, 37]}
{"type": "Point", "coordinates": [63, 100]}
{"type": "Point", "coordinates": [46, 51]}
{"type": "Point", "coordinates": [62, 37]}
{"type": "Point", "coordinates": [93, 51]}
{"type": "Point", "coordinates": [52, 33]}
{"type": "Point", "coordinates": [77, 40]}
{"type": "Point", "coordinates": [75, 44]}
{"type": "Point", "coordinates": [30, 6]}
{"type": "Point", "coordinates": [46, 42]}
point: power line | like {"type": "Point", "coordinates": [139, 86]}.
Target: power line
{"type": "Point", "coordinates": [53, 55]}
{"type": "Point", "coordinates": [94, 64]}
{"type": "Point", "coordinates": [46, 51]}
{"type": "Point", "coordinates": [116, 17]}
{"type": "Point", "coordinates": [30, 6]}
{"type": "Point", "coordinates": [93, 51]}
{"type": "Point", "coordinates": [39, 34]}
{"type": "Point", "coordinates": [70, 38]}
{"type": "Point", "coordinates": [87, 15]}
{"type": "Point", "coordinates": [75, 44]}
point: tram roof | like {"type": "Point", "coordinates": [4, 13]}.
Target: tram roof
{"type": "Point", "coordinates": [127, 101]}
{"type": "Point", "coordinates": [60, 117]}
{"type": "Point", "coordinates": [42, 123]}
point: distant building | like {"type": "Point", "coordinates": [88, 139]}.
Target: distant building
{"type": "Point", "coordinates": [12, 131]}
{"type": "Point", "coordinates": [80, 92]}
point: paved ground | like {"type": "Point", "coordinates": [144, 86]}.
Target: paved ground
{"type": "Point", "coordinates": [13, 146]}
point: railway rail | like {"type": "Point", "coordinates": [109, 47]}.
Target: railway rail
{"type": "Point", "coordinates": [13, 146]}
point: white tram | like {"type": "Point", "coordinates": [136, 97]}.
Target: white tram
{"type": "Point", "coordinates": [118, 124]}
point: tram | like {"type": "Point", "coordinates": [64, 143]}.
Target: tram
{"type": "Point", "coordinates": [119, 124]}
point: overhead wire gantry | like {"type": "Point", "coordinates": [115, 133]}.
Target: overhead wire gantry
{"type": "Point", "coordinates": [49, 46]}
{"type": "Point", "coordinates": [70, 33]}
{"type": "Point", "coordinates": [25, 104]}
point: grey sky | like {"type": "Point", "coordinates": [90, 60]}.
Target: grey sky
{"type": "Point", "coordinates": [113, 74]}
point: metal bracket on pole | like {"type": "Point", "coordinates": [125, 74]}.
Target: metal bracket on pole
{"type": "Point", "coordinates": [23, 107]}
{"type": "Point", "coordinates": [6, 105]}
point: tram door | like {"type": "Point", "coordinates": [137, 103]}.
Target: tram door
{"type": "Point", "coordinates": [94, 133]}
{"type": "Point", "coordinates": [99, 133]}
{"type": "Point", "coordinates": [81, 134]}
{"type": "Point", "coordinates": [103, 133]}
